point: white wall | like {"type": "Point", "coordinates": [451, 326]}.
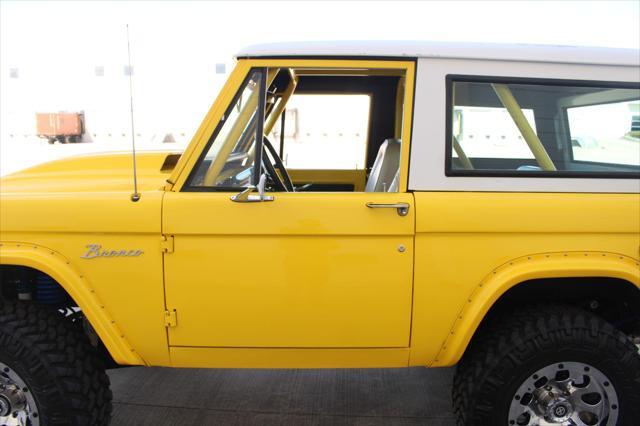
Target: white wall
{"type": "Point", "coordinates": [176, 46]}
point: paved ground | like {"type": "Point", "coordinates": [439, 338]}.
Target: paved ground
{"type": "Point", "coordinates": [384, 397]}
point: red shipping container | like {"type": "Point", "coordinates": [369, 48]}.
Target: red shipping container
{"type": "Point", "coordinates": [59, 124]}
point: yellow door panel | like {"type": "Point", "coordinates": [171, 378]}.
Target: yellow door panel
{"type": "Point", "coordinates": [308, 270]}
{"type": "Point", "coordinates": [357, 178]}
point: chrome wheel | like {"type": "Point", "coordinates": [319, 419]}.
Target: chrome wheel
{"type": "Point", "coordinates": [568, 393]}
{"type": "Point", "coordinates": [17, 404]}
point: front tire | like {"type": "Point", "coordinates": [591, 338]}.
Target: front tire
{"type": "Point", "coordinates": [50, 374]}
{"type": "Point", "coordinates": [548, 365]}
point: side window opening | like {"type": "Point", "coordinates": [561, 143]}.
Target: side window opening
{"type": "Point", "coordinates": [520, 129]}
{"type": "Point", "coordinates": [337, 126]}
{"type": "Point", "coordinates": [324, 130]}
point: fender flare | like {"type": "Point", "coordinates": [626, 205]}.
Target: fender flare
{"type": "Point", "coordinates": [79, 289]}
{"type": "Point", "coordinates": [516, 271]}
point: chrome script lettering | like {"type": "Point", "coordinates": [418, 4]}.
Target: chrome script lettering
{"type": "Point", "coordinates": [96, 250]}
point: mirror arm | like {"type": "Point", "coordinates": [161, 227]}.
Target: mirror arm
{"type": "Point", "coordinates": [245, 195]}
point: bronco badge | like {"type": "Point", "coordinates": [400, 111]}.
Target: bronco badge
{"type": "Point", "coordinates": [96, 250]}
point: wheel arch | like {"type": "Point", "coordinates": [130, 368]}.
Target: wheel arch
{"type": "Point", "coordinates": [536, 269]}
{"type": "Point", "coordinates": [78, 288]}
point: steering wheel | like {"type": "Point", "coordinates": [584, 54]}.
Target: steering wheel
{"type": "Point", "coordinates": [283, 183]}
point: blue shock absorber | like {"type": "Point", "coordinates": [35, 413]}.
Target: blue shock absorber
{"type": "Point", "coordinates": [48, 291]}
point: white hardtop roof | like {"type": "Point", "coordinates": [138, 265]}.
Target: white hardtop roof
{"type": "Point", "coordinates": [450, 50]}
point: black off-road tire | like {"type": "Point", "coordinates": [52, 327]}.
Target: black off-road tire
{"type": "Point", "coordinates": [513, 346]}
{"type": "Point", "coordinates": [59, 365]}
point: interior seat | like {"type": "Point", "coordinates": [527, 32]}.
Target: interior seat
{"type": "Point", "coordinates": [385, 168]}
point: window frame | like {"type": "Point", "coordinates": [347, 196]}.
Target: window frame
{"type": "Point", "coordinates": [450, 79]}
{"type": "Point", "coordinates": [407, 66]}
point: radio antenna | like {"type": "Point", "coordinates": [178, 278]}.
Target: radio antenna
{"type": "Point", "coordinates": [136, 195]}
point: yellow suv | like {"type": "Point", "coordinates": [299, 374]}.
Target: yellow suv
{"type": "Point", "coordinates": [366, 204]}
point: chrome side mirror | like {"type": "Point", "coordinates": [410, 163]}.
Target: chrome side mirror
{"type": "Point", "coordinates": [246, 197]}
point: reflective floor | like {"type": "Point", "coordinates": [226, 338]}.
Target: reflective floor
{"type": "Point", "coordinates": [159, 396]}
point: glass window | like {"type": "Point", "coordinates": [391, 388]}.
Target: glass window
{"type": "Point", "coordinates": [489, 132]}
{"type": "Point", "coordinates": [616, 143]}
{"type": "Point", "coordinates": [503, 128]}
{"type": "Point", "coordinates": [327, 131]}
{"type": "Point", "coordinates": [228, 163]}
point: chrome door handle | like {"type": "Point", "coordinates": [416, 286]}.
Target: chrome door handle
{"type": "Point", "coordinates": [402, 208]}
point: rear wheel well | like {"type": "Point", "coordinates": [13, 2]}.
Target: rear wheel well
{"type": "Point", "coordinates": [615, 300]}
{"type": "Point", "coordinates": [29, 285]}
{"type": "Point", "coordinates": [555, 348]}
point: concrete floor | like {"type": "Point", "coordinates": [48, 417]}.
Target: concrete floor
{"type": "Point", "coordinates": [389, 397]}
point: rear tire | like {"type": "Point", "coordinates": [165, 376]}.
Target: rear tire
{"type": "Point", "coordinates": [60, 368]}
{"type": "Point", "coordinates": [509, 353]}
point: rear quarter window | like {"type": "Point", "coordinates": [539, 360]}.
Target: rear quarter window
{"type": "Point", "coordinates": [522, 127]}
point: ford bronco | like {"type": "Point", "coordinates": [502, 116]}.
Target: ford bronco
{"type": "Point", "coordinates": [386, 204]}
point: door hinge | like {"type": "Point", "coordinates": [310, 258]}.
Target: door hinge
{"type": "Point", "coordinates": [166, 244]}
{"type": "Point", "coordinates": [170, 318]}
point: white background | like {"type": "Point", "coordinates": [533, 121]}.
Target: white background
{"type": "Point", "coordinates": [55, 47]}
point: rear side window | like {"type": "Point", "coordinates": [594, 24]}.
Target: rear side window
{"type": "Point", "coordinates": [509, 127]}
